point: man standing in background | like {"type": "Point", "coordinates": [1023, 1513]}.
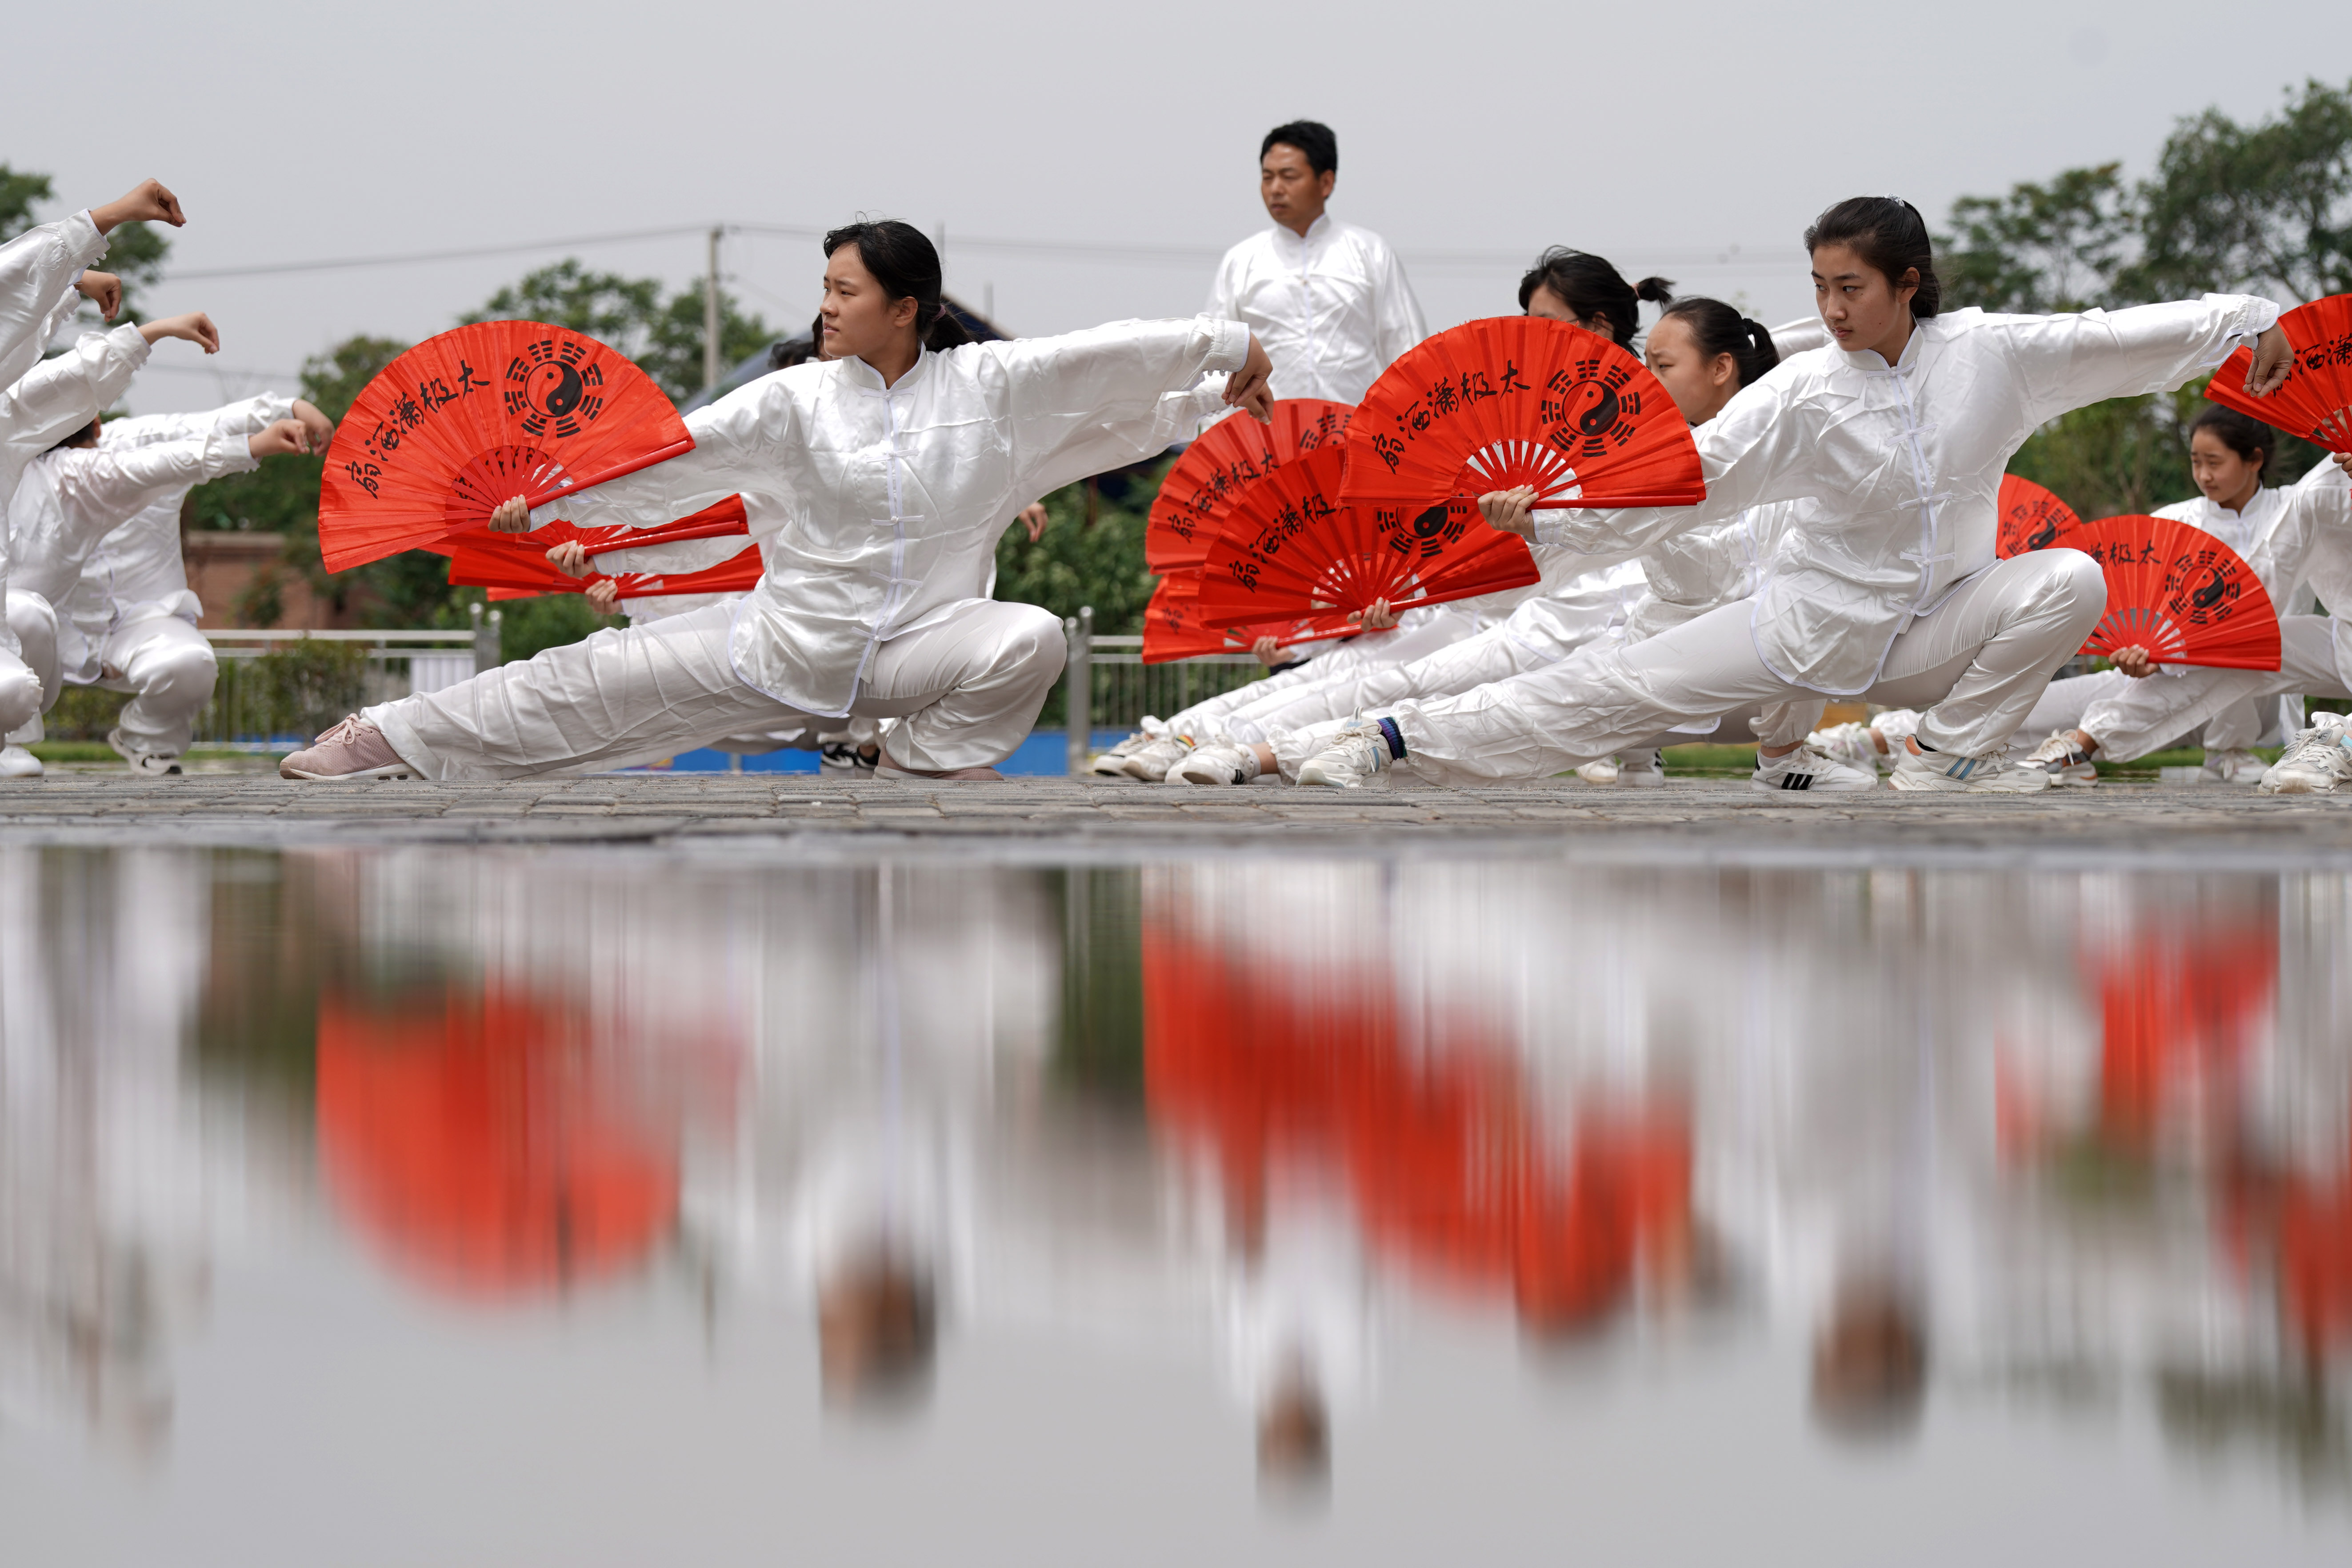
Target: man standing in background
{"type": "Point", "coordinates": [1329, 301]}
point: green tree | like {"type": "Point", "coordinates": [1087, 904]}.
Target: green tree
{"type": "Point", "coordinates": [662, 335]}
{"type": "Point", "coordinates": [2266, 207]}
{"type": "Point", "coordinates": [2041, 247]}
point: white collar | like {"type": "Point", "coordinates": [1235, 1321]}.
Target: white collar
{"type": "Point", "coordinates": [865, 378]}
{"type": "Point", "coordinates": [1320, 229]}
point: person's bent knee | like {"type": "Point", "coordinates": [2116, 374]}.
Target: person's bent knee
{"type": "Point", "coordinates": [1034, 641]}
{"type": "Point", "coordinates": [20, 699]}
{"type": "Point", "coordinates": [182, 669]}
{"type": "Point", "coordinates": [2079, 580]}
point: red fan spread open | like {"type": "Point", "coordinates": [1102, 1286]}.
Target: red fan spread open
{"type": "Point", "coordinates": [2031, 517]}
{"type": "Point", "coordinates": [467, 419]}
{"type": "Point", "coordinates": [1521, 400]}
{"type": "Point", "coordinates": [1292, 548]}
{"type": "Point", "coordinates": [1219, 468]}
{"type": "Point", "coordinates": [1172, 627]}
{"type": "Point", "coordinates": [2316, 400]}
{"type": "Point", "coordinates": [2180, 594]}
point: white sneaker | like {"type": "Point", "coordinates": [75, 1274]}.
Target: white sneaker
{"type": "Point", "coordinates": [1112, 764]}
{"type": "Point", "coordinates": [1604, 772]}
{"type": "Point", "coordinates": [1355, 757]}
{"type": "Point", "coordinates": [1949, 773]}
{"type": "Point", "coordinates": [16, 762]}
{"type": "Point", "coordinates": [1850, 744]}
{"type": "Point", "coordinates": [2234, 767]}
{"type": "Point", "coordinates": [1151, 762]}
{"type": "Point", "coordinates": [1806, 771]}
{"type": "Point", "coordinates": [2065, 763]}
{"type": "Point", "coordinates": [1218, 762]}
{"type": "Point", "coordinates": [2316, 762]}
{"type": "Point", "coordinates": [149, 764]}
{"type": "Point", "coordinates": [1642, 770]}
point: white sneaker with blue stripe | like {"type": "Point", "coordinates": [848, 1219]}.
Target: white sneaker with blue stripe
{"type": "Point", "coordinates": [2318, 762]}
{"type": "Point", "coordinates": [1950, 773]}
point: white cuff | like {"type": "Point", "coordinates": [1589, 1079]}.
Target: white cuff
{"type": "Point", "coordinates": [1229, 343]}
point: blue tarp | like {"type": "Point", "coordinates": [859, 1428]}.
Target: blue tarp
{"type": "Point", "coordinates": [1045, 754]}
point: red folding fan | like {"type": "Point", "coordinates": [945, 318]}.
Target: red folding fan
{"type": "Point", "coordinates": [1172, 627]}
{"type": "Point", "coordinates": [2031, 517]}
{"type": "Point", "coordinates": [471, 418]}
{"type": "Point", "coordinates": [2180, 594]}
{"type": "Point", "coordinates": [1292, 548]}
{"type": "Point", "coordinates": [475, 566]}
{"type": "Point", "coordinates": [2315, 401]}
{"type": "Point", "coordinates": [1217, 471]}
{"type": "Point", "coordinates": [1521, 400]}
{"type": "Point", "coordinates": [712, 521]}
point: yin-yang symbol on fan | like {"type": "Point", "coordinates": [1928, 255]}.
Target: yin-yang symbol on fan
{"type": "Point", "coordinates": [554, 387]}
{"type": "Point", "coordinates": [1589, 407]}
{"type": "Point", "coordinates": [2202, 587]}
{"type": "Point", "coordinates": [1432, 531]}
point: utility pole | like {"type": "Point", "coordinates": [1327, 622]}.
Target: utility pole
{"type": "Point", "coordinates": [710, 315]}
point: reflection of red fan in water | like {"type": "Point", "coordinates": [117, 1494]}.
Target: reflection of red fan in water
{"type": "Point", "coordinates": [2180, 594]}
{"type": "Point", "coordinates": [2316, 400]}
{"type": "Point", "coordinates": [1292, 548]}
{"type": "Point", "coordinates": [1219, 468]}
{"type": "Point", "coordinates": [474, 416]}
{"type": "Point", "coordinates": [1173, 628]}
{"type": "Point", "coordinates": [1521, 400]}
{"type": "Point", "coordinates": [2031, 517]}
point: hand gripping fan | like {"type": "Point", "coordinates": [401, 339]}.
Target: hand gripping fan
{"type": "Point", "coordinates": [2031, 517]}
{"type": "Point", "coordinates": [466, 420]}
{"type": "Point", "coordinates": [2315, 401]}
{"type": "Point", "coordinates": [513, 574]}
{"type": "Point", "coordinates": [1292, 548]}
{"type": "Point", "coordinates": [1219, 468]}
{"type": "Point", "coordinates": [1173, 628]}
{"type": "Point", "coordinates": [713, 521]}
{"type": "Point", "coordinates": [2179, 593]}
{"type": "Point", "coordinates": [1521, 400]}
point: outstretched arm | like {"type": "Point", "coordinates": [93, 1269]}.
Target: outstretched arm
{"type": "Point", "coordinates": [2070, 361]}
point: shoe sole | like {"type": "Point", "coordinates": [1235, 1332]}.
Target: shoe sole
{"type": "Point", "coordinates": [1809, 792]}
{"type": "Point", "coordinates": [389, 771]}
{"type": "Point", "coordinates": [2294, 786]}
{"type": "Point", "coordinates": [1311, 774]}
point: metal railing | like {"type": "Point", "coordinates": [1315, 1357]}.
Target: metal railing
{"type": "Point", "coordinates": [237, 716]}
{"type": "Point", "coordinates": [1107, 685]}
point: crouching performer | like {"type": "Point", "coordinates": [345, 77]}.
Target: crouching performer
{"type": "Point", "coordinates": [877, 482]}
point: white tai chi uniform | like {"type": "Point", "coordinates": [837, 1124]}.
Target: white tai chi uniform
{"type": "Point", "coordinates": [1889, 587]}
{"type": "Point", "coordinates": [97, 532]}
{"type": "Point", "coordinates": [48, 402]}
{"type": "Point", "coordinates": [1331, 309]}
{"type": "Point", "coordinates": [877, 511]}
{"type": "Point", "coordinates": [2285, 535]}
{"type": "Point", "coordinates": [38, 269]}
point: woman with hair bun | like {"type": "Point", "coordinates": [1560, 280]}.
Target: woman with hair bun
{"type": "Point", "coordinates": [877, 482]}
{"type": "Point", "coordinates": [1886, 586]}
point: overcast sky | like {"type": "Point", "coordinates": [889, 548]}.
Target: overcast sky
{"type": "Point", "coordinates": [1693, 140]}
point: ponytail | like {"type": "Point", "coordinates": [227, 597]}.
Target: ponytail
{"type": "Point", "coordinates": [1716, 330]}
{"type": "Point", "coordinates": [1891, 238]}
{"type": "Point", "coordinates": [1591, 287]}
{"type": "Point", "coordinates": [907, 265]}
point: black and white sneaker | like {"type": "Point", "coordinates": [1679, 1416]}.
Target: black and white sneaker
{"type": "Point", "coordinates": [1806, 771]}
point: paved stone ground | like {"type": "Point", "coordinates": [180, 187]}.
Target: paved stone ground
{"type": "Point", "coordinates": [1042, 818]}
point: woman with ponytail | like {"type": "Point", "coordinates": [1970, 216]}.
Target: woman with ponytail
{"type": "Point", "coordinates": [1885, 587]}
{"type": "Point", "coordinates": [877, 482]}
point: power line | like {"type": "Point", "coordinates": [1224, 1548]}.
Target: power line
{"type": "Point", "coordinates": [345, 263]}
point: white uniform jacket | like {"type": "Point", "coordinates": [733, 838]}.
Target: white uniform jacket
{"type": "Point", "coordinates": [1706, 568]}
{"type": "Point", "coordinates": [1906, 462]}
{"type": "Point", "coordinates": [1332, 309]}
{"type": "Point", "coordinates": [37, 272]}
{"type": "Point", "coordinates": [72, 497]}
{"type": "Point", "coordinates": [878, 510]}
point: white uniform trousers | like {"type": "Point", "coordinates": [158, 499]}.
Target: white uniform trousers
{"type": "Point", "coordinates": [30, 684]}
{"type": "Point", "coordinates": [2132, 718]}
{"type": "Point", "coordinates": [1359, 654]}
{"type": "Point", "coordinates": [969, 687]}
{"type": "Point", "coordinates": [1975, 663]}
{"type": "Point", "coordinates": [169, 669]}
{"type": "Point", "coordinates": [1490, 654]}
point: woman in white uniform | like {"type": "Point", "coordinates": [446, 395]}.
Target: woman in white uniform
{"type": "Point", "coordinates": [1564, 285]}
{"type": "Point", "coordinates": [1888, 588]}
{"type": "Point", "coordinates": [876, 484]}
{"type": "Point", "coordinates": [2136, 708]}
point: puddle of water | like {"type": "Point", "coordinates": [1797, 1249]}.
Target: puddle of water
{"type": "Point", "coordinates": [389, 1207]}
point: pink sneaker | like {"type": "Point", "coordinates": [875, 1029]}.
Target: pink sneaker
{"type": "Point", "coordinates": [353, 749]}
